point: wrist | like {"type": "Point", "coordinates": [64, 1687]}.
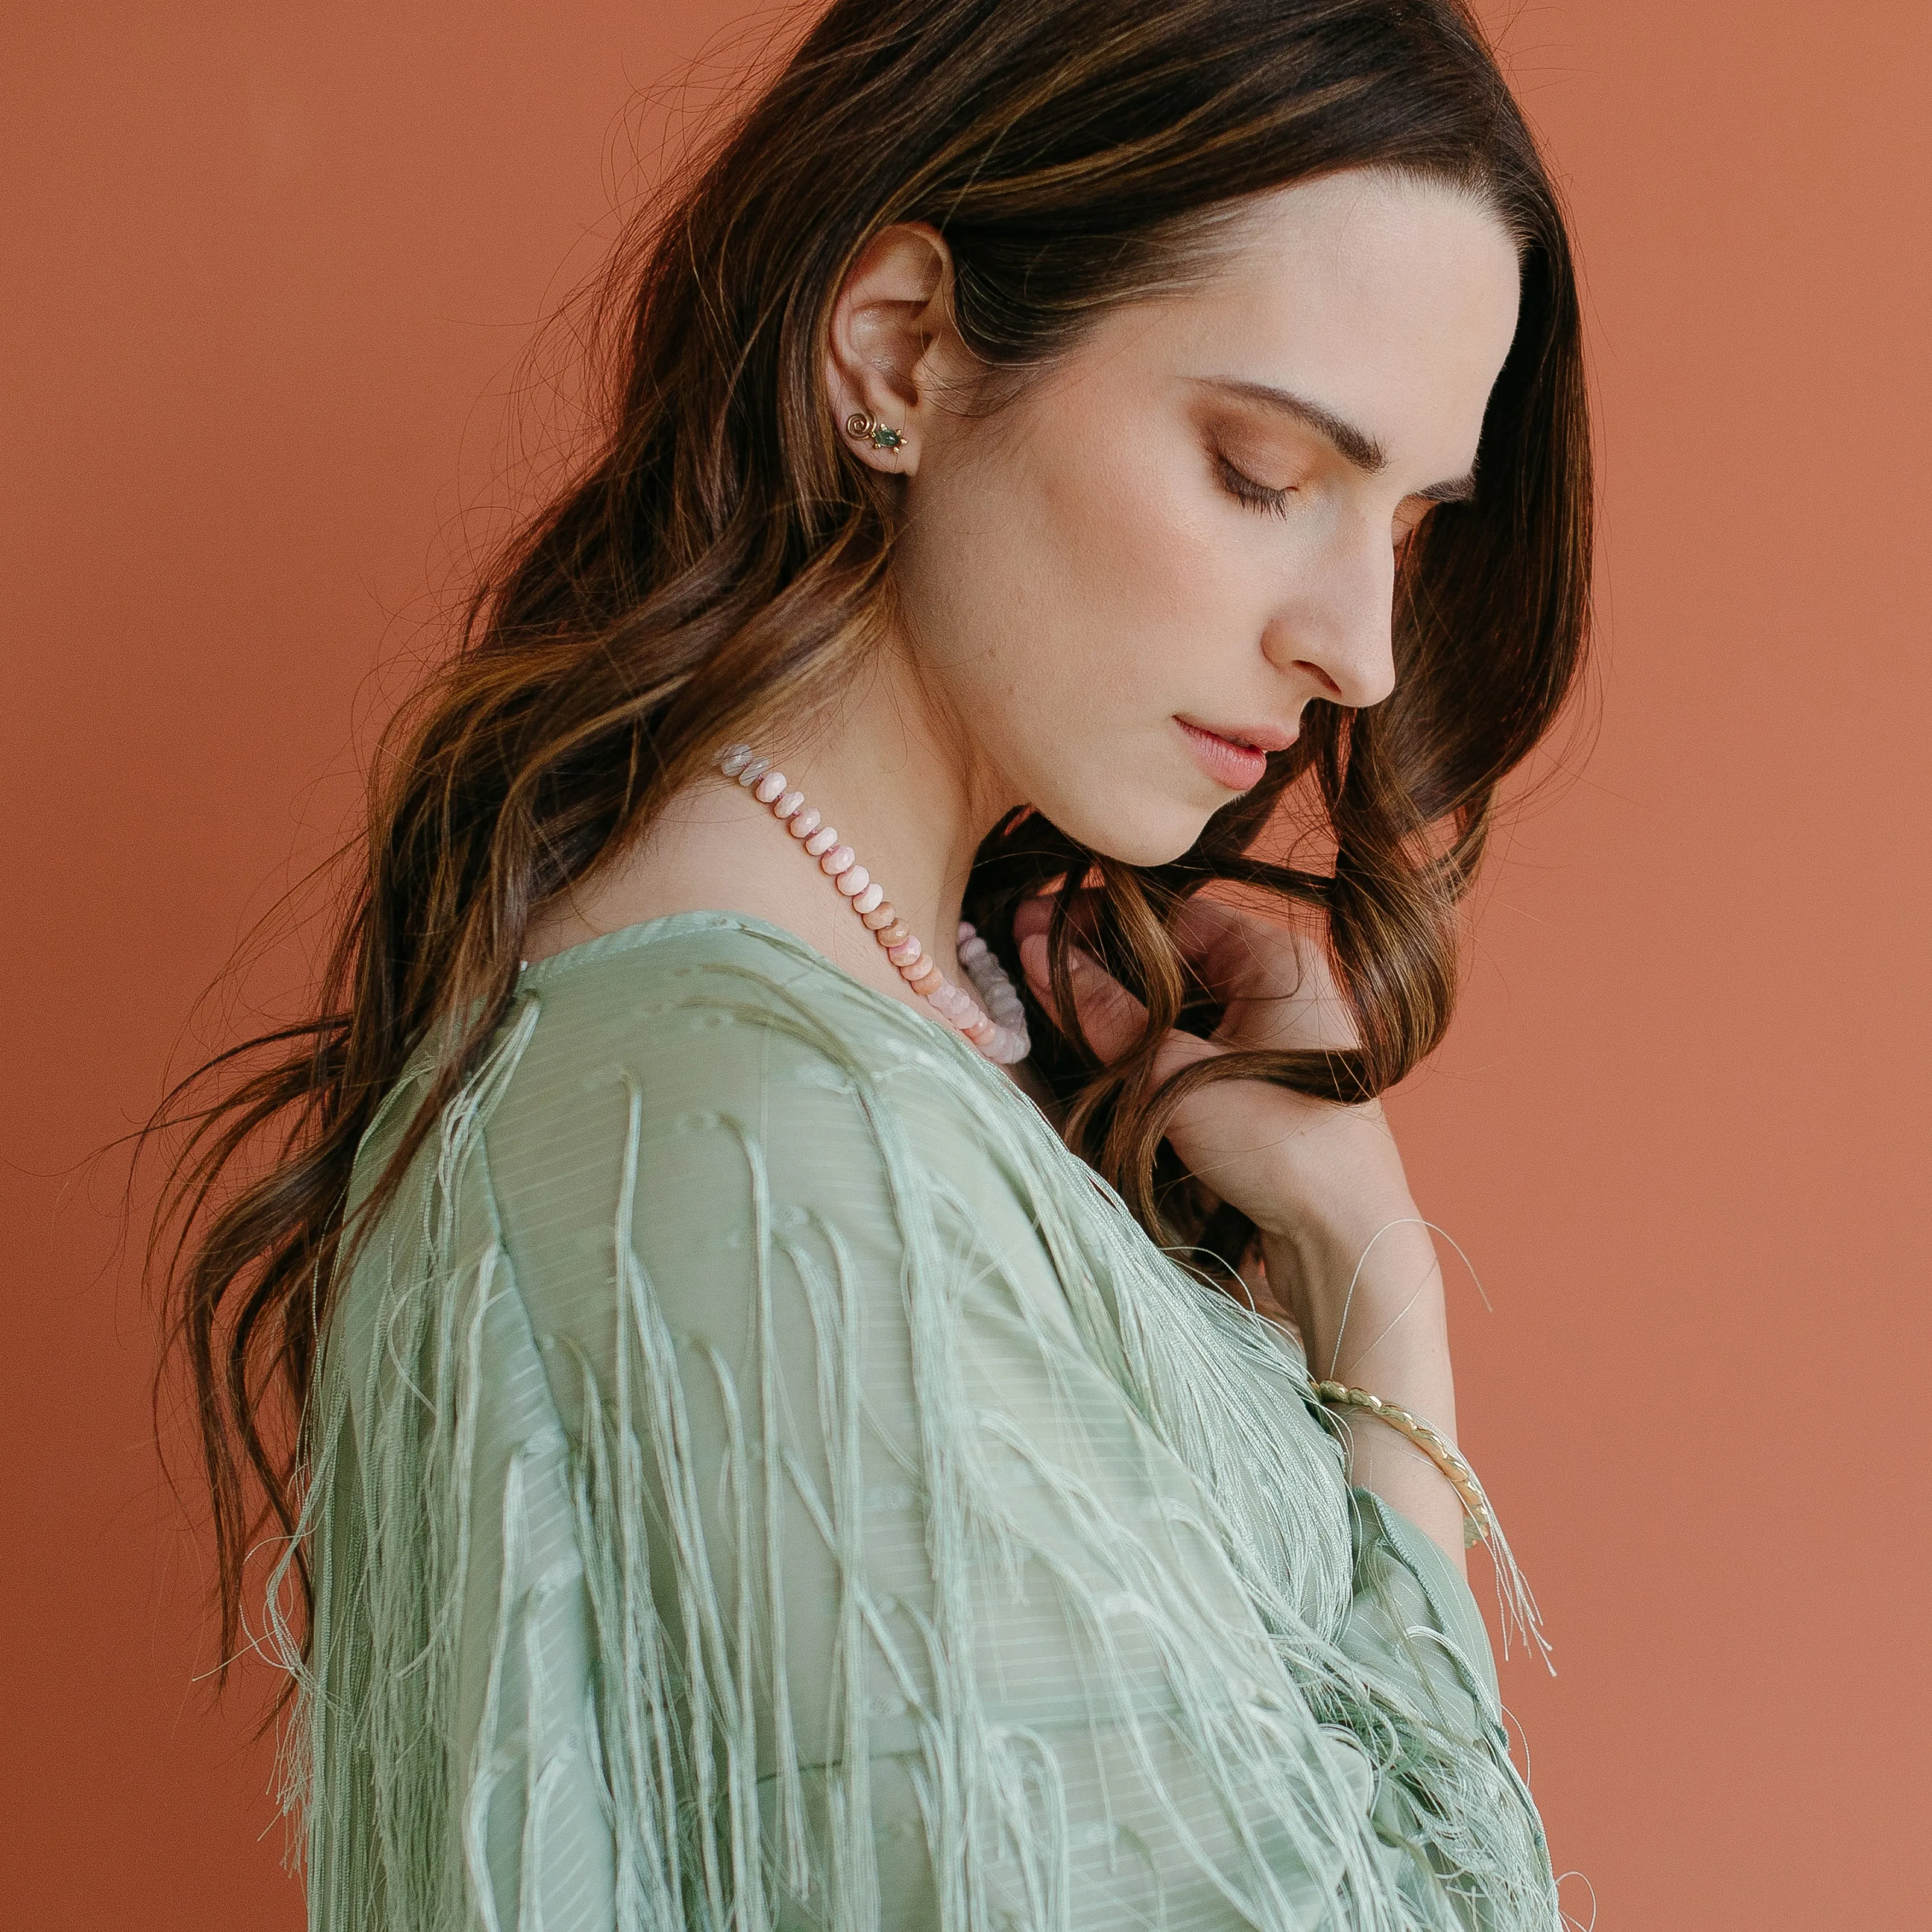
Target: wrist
{"type": "Point", "coordinates": [1322, 1244]}
{"type": "Point", "coordinates": [1365, 1289]}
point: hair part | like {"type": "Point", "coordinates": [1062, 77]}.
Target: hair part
{"type": "Point", "coordinates": [722, 561]}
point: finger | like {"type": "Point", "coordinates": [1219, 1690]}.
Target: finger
{"type": "Point", "coordinates": [1226, 941]}
{"type": "Point", "coordinates": [1203, 923]}
{"type": "Point", "coordinates": [1110, 1016]}
{"type": "Point", "coordinates": [1033, 914]}
{"type": "Point", "coordinates": [1212, 939]}
{"type": "Point", "coordinates": [1112, 1019]}
{"type": "Point", "coordinates": [1268, 955]}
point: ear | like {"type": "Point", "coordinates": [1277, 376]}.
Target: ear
{"type": "Point", "coordinates": [893, 343]}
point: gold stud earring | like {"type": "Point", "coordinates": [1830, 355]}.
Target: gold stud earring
{"type": "Point", "coordinates": [865, 426]}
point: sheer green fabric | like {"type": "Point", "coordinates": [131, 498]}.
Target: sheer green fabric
{"type": "Point", "coordinates": [760, 1479]}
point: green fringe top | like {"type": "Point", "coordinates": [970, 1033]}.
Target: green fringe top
{"type": "Point", "coordinates": [759, 1479]}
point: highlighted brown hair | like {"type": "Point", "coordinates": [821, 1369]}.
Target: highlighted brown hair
{"type": "Point", "coordinates": [721, 556]}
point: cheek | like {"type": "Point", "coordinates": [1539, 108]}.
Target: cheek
{"type": "Point", "coordinates": [1129, 508]}
{"type": "Point", "coordinates": [1123, 566]}
{"type": "Point", "coordinates": [1077, 580]}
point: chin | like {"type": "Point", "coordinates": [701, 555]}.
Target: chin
{"type": "Point", "coordinates": [1137, 829]}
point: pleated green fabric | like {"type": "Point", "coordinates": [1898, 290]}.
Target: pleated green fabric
{"type": "Point", "coordinates": [759, 1479]}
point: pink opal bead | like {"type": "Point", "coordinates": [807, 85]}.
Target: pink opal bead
{"type": "Point", "coordinates": [995, 1022]}
{"type": "Point", "coordinates": [1006, 1047]}
{"type": "Point", "coordinates": [957, 1004]}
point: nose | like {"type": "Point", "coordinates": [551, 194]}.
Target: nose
{"type": "Point", "coordinates": [1337, 626]}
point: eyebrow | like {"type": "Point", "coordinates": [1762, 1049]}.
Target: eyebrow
{"type": "Point", "coordinates": [1356, 446]}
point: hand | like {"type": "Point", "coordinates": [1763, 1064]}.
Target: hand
{"type": "Point", "coordinates": [1299, 1168]}
{"type": "Point", "coordinates": [1348, 1258]}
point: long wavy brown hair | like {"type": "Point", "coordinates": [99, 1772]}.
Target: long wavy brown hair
{"type": "Point", "coordinates": [720, 559]}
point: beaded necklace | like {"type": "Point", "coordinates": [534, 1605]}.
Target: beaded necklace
{"type": "Point", "coordinates": [998, 1029]}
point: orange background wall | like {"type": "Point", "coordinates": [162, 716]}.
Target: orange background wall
{"type": "Point", "coordinates": [268, 269]}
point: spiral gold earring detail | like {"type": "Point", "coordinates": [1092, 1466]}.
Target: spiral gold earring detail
{"type": "Point", "coordinates": [864, 426]}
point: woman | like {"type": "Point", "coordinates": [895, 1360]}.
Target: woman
{"type": "Point", "coordinates": [798, 1429]}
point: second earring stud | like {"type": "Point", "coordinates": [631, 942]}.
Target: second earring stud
{"type": "Point", "coordinates": [866, 428]}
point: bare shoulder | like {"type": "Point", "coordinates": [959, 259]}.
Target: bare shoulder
{"type": "Point", "coordinates": [703, 853]}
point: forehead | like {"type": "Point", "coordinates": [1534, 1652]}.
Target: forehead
{"type": "Point", "coordinates": [1393, 301]}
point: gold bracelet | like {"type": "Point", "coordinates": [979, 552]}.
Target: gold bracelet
{"type": "Point", "coordinates": [1477, 1522]}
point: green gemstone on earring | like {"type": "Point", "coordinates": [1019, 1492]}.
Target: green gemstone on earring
{"type": "Point", "coordinates": [883, 438]}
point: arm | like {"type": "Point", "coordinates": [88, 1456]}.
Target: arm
{"type": "Point", "coordinates": [1366, 1290]}
{"type": "Point", "coordinates": [914, 1585]}
{"type": "Point", "coordinates": [906, 1591]}
{"type": "Point", "coordinates": [1346, 1255]}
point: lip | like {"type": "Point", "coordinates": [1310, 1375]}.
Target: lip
{"type": "Point", "coordinates": [1234, 755]}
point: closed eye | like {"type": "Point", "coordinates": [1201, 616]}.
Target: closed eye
{"type": "Point", "coordinates": [1256, 496]}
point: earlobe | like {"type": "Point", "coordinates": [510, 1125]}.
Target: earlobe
{"type": "Point", "coordinates": [883, 326]}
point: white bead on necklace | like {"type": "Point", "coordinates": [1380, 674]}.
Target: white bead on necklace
{"type": "Point", "coordinates": [999, 1029]}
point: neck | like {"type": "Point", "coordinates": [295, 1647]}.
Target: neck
{"type": "Point", "coordinates": [897, 779]}
{"type": "Point", "coordinates": [906, 791]}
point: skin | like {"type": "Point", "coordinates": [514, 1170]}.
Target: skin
{"type": "Point", "coordinates": [1149, 534]}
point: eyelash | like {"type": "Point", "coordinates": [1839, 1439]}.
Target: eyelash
{"type": "Point", "coordinates": [1274, 502]}
{"type": "Point", "coordinates": [1256, 496]}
